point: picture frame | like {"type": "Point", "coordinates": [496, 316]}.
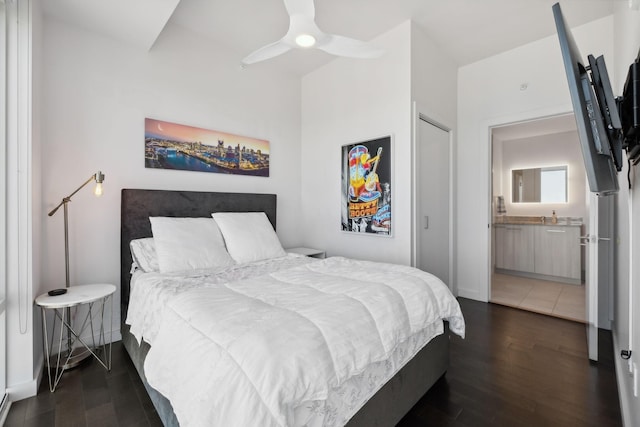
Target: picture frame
{"type": "Point", "coordinates": [366, 187]}
{"type": "Point", "coordinates": [180, 147]}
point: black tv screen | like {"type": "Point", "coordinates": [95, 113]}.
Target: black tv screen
{"type": "Point", "coordinates": [629, 106]}
{"type": "Point", "coordinates": [598, 150]}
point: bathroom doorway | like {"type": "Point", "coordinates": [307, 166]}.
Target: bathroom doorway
{"type": "Point", "coordinates": [540, 210]}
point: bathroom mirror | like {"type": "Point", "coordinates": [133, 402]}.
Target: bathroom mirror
{"type": "Point", "coordinates": [539, 185]}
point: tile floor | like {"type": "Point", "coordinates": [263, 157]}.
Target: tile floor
{"type": "Point", "coordinates": [541, 296]}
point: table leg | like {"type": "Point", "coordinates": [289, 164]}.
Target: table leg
{"type": "Point", "coordinates": [63, 363]}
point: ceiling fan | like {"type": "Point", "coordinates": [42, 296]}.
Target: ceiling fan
{"type": "Point", "coordinates": [304, 34]}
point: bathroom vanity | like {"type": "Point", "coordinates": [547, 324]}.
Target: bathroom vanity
{"type": "Point", "coordinates": [541, 250]}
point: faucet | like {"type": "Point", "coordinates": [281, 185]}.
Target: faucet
{"type": "Point", "coordinates": [542, 219]}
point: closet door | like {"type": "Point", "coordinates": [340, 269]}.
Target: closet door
{"type": "Point", "coordinates": [433, 195]}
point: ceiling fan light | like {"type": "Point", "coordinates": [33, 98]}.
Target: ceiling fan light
{"type": "Point", "coordinates": [305, 40]}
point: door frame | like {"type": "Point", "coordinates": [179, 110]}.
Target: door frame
{"type": "Point", "coordinates": [4, 402]}
{"type": "Point", "coordinates": [488, 126]}
{"type": "Point", "coordinates": [420, 113]}
{"type": "Point", "coordinates": [592, 276]}
{"type": "Point", "coordinates": [22, 378]}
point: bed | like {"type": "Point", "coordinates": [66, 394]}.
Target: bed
{"type": "Point", "coordinates": [414, 366]}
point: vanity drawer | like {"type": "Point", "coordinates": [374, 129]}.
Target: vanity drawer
{"type": "Point", "coordinates": [557, 251]}
{"type": "Point", "coordinates": [515, 247]}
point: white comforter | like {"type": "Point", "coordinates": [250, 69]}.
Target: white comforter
{"type": "Point", "coordinates": [249, 352]}
{"type": "Point", "coordinates": [151, 292]}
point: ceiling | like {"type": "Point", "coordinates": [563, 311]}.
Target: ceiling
{"type": "Point", "coordinates": [469, 30]}
{"type": "Point", "coordinates": [533, 128]}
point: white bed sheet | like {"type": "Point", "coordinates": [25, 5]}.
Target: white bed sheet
{"type": "Point", "coordinates": [179, 310]}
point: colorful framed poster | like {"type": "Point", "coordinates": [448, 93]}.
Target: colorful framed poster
{"type": "Point", "coordinates": [366, 187]}
{"type": "Point", "coordinates": [173, 146]}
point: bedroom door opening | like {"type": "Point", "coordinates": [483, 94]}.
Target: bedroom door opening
{"type": "Point", "coordinates": [432, 199]}
{"type": "Point", "coordinates": [537, 261]}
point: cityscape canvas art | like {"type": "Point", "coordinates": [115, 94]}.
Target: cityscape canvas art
{"type": "Point", "coordinates": [181, 147]}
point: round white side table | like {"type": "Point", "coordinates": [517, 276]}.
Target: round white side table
{"type": "Point", "coordinates": [95, 297]}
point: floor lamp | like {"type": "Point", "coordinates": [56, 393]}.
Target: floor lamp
{"type": "Point", "coordinates": [71, 360]}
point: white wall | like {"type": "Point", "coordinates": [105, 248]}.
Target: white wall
{"type": "Point", "coordinates": [433, 79]}
{"type": "Point", "coordinates": [558, 149]}
{"type": "Point", "coordinates": [97, 93]}
{"type": "Point", "coordinates": [348, 101]}
{"type": "Point", "coordinates": [488, 95]}
{"type": "Point", "coordinates": [434, 92]}
{"type": "Point", "coordinates": [626, 326]}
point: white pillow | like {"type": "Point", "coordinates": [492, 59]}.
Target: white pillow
{"type": "Point", "coordinates": [188, 244]}
{"type": "Point", "coordinates": [249, 236]}
{"type": "Point", "coordinates": [143, 252]}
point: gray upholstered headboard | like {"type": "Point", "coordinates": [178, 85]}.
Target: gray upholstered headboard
{"type": "Point", "coordinates": [138, 205]}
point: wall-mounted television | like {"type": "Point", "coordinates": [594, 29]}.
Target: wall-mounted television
{"type": "Point", "coordinates": [606, 124]}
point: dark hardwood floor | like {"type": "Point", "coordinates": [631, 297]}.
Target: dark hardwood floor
{"type": "Point", "coordinates": [89, 396]}
{"type": "Point", "coordinates": [515, 368]}
{"type": "Point", "coordinates": [518, 368]}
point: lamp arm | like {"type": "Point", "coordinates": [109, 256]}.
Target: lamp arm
{"type": "Point", "coordinates": [68, 198]}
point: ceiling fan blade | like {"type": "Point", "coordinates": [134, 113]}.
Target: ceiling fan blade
{"type": "Point", "coordinates": [352, 48]}
{"type": "Point", "coordinates": [267, 52]}
{"type": "Point", "coordinates": [300, 7]}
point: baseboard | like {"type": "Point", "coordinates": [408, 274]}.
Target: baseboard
{"type": "Point", "coordinates": [115, 335]}
{"type": "Point", "coordinates": [473, 294]}
{"type": "Point", "coordinates": [38, 373]}
{"type": "Point", "coordinates": [622, 378]}
{"type": "Point", "coordinates": [23, 391]}
{"type": "Point", "coordinates": [5, 405]}
{"type": "Point", "coordinates": [528, 275]}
